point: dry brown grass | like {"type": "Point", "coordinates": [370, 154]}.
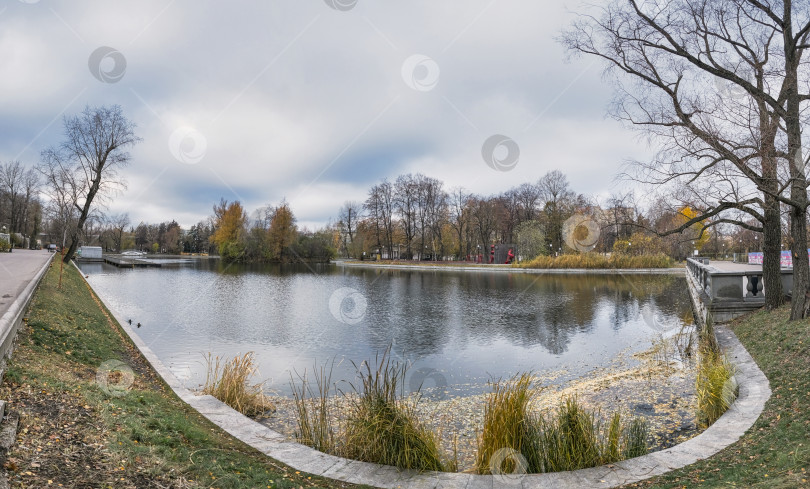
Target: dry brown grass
{"type": "Point", "coordinates": [228, 381]}
{"type": "Point", "coordinates": [599, 261]}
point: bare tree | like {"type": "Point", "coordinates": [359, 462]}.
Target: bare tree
{"type": "Point", "coordinates": [673, 52]}
{"type": "Point", "coordinates": [349, 217]}
{"type": "Point", "coordinates": [482, 212]}
{"type": "Point", "coordinates": [380, 208]}
{"type": "Point", "coordinates": [406, 197]}
{"type": "Point", "coordinates": [557, 197]}
{"type": "Point", "coordinates": [117, 225]}
{"type": "Point", "coordinates": [433, 200]}
{"type": "Point", "coordinates": [528, 195]}
{"type": "Point", "coordinates": [85, 166]}
{"type": "Point", "coordinates": [459, 217]}
{"type": "Point", "coordinates": [19, 188]}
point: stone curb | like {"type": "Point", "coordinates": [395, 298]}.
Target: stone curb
{"type": "Point", "coordinates": [541, 271]}
{"type": "Point", "coordinates": [754, 392]}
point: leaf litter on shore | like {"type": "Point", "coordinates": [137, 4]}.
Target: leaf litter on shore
{"type": "Point", "coordinates": [657, 384]}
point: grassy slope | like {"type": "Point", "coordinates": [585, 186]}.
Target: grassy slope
{"type": "Point", "coordinates": [74, 434]}
{"type": "Point", "coordinates": [775, 452]}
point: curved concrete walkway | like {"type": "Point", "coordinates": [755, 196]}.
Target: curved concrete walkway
{"type": "Point", "coordinates": [754, 391]}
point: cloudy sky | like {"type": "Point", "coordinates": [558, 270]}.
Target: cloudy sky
{"type": "Point", "coordinates": [311, 100]}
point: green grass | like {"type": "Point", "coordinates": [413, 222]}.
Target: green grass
{"type": "Point", "coordinates": [599, 261]}
{"type": "Point", "coordinates": [148, 436]}
{"type": "Point", "coordinates": [775, 452]}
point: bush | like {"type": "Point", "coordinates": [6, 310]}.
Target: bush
{"type": "Point", "coordinates": [227, 380]}
{"type": "Point", "coordinates": [4, 245]}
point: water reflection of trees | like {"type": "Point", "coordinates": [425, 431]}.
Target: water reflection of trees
{"type": "Point", "coordinates": [425, 313]}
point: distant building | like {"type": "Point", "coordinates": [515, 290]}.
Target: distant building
{"type": "Point", "coordinates": [90, 253]}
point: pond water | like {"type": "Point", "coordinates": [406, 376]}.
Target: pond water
{"type": "Point", "coordinates": [455, 330]}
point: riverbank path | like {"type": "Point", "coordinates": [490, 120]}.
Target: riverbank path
{"type": "Point", "coordinates": [17, 270]}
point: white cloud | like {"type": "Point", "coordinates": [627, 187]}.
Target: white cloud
{"type": "Point", "coordinates": [296, 100]}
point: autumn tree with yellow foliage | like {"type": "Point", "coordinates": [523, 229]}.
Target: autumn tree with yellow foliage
{"type": "Point", "coordinates": [230, 222]}
{"type": "Point", "coordinates": [282, 233]}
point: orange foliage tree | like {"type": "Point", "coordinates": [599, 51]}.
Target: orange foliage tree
{"type": "Point", "coordinates": [230, 221]}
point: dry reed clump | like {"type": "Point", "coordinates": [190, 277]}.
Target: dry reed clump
{"type": "Point", "coordinates": [381, 426]}
{"type": "Point", "coordinates": [599, 261]}
{"type": "Point", "coordinates": [715, 384]}
{"type": "Point", "coordinates": [571, 438]}
{"type": "Point", "coordinates": [227, 380]}
{"type": "Point", "coordinates": [313, 415]}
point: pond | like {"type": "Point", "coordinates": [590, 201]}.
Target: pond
{"type": "Point", "coordinates": [455, 330]}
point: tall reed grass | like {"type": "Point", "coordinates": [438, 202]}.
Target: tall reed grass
{"type": "Point", "coordinates": [382, 426]}
{"type": "Point", "coordinates": [313, 415]}
{"type": "Point", "coordinates": [599, 261]}
{"type": "Point", "coordinates": [569, 439]}
{"type": "Point", "coordinates": [227, 380]}
{"type": "Point", "coordinates": [715, 385]}
{"type": "Point", "coordinates": [507, 423]}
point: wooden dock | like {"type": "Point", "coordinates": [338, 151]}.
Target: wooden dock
{"type": "Point", "coordinates": [130, 262]}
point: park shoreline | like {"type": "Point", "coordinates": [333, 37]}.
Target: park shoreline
{"type": "Point", "coordinates": [754, 391]}
{"type": "Point", "coordinates": [507, 268]}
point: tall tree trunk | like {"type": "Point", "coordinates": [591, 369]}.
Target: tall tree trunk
{"type": "Point", "coordinates": [772, 224]}
{"type": "Point", "coordinates": [85, 211]}
{"type": "Point", "coordinates": [771, 254]}
{"type": "Point", "coordinates": [801, 267]}
{"type": "Point", "coordinates": [798, 184]}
